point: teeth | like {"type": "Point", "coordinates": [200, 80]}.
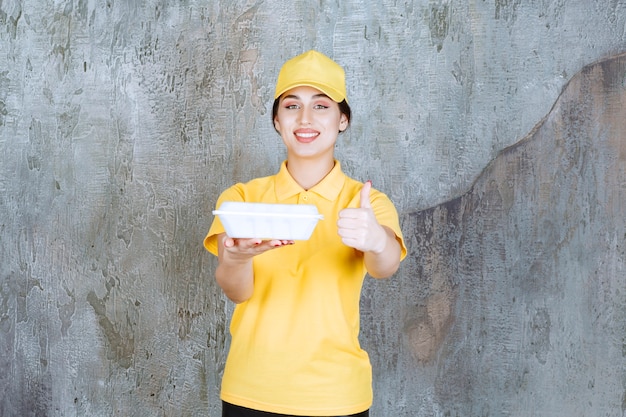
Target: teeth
{"type": "Point", "coordinates": [307, 135]}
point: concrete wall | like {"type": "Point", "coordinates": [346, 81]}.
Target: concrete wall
{"type": "Point", "coordinates": [121, 121]}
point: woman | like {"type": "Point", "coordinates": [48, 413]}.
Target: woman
{"type": "Point", "coordinates": [295, 348]}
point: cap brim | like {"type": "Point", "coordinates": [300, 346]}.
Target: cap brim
{"type": "Point", "coordinates": [334, 95]}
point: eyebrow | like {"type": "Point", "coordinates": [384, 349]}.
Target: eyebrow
{"type": "Point", "coordinates": [321, 95]}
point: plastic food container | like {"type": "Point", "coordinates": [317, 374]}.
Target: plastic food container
{"type": "Point", "coordinates": [268, 221]}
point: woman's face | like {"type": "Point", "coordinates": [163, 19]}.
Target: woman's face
{"type": "Point", "coordinates": [309, 122]}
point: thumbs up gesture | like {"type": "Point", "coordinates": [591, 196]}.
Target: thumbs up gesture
{"type": "Point", "coordinates": [359, 228]}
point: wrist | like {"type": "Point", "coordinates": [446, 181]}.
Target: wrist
{"type": "Point", "coordinates": [380, 243]}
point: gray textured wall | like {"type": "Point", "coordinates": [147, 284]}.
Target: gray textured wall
{"type": "Point", "coordinates": [120, 122]}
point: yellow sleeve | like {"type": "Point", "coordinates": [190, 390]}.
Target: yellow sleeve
{"type": "Point", "coordinates": [387, 215]}
{"type": "Point", "coordinates": [234, 193]}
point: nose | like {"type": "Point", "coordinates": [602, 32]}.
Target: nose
{"type": "Point", "coordinates": [305, 115]}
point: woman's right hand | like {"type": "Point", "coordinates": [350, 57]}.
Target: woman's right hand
{"type": "Point", "coordinates": [244, 249]}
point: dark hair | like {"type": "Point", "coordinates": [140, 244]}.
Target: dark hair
{"type": "Point", "coordinates": [344, 108]}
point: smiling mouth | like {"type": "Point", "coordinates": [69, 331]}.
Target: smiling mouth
{"type": "Point", "coordinates": [306, 136]}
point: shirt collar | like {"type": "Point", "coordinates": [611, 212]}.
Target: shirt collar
{"type": "Point", "coordinates": [329, 187]}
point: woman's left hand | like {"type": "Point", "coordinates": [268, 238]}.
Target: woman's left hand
{"type": "Point", "coordinates": [359, 228]}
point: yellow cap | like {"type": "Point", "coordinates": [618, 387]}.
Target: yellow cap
{"type": "Point", "coordinates": [315, 70]}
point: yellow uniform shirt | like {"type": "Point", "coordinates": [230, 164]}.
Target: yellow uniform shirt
{"type": "Point", "coordinates": [295, 347]}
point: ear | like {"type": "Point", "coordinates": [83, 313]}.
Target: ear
{"type": "Point", "coordinates": [343, 123]}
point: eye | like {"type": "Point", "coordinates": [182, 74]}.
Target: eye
{"type": "Point", "coordinates": [321, 106]}
{"type": "Point", "coordinates": [291, 106]}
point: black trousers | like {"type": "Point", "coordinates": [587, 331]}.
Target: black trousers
{"type": "Point", "coordinates": [230, 410]}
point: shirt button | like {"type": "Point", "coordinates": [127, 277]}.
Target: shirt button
{"type": "Point", "coordinates": [305, 198]}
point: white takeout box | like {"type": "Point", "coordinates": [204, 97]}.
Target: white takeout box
{"type": "Point", "coordinates": [268, 221]}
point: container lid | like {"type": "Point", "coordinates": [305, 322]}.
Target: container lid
{"type": "Point", "coordinates": [233, 208]}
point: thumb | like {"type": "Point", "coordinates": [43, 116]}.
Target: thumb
{"type": "Point", "coordinates": [365, 194]}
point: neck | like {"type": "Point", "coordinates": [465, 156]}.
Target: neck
{"type": "Point", "coordinates": [309, 173]}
